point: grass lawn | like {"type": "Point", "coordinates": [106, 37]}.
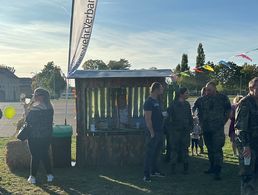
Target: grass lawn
{"type": "Point", "coordinates": [123, 180]}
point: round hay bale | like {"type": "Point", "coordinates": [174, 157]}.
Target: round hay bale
{"type": "Point", "coordinates": [17, 155]}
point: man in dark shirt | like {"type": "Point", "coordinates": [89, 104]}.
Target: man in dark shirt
{"type": "Point", "coordinates": [154, 134]}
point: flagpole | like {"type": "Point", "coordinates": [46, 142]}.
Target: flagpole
{"type": "Point", "coordinates": [69, 58]}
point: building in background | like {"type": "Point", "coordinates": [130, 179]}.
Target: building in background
{"type": "Point", "coordinates": [12, 86]}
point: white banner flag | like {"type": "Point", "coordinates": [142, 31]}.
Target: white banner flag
{"type": "Point", "coordinates": [83, 14]}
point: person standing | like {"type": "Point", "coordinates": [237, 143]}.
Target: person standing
{"type": "Point", "coordinates": [40, 121]}
{"type": "Point", "coordinates": [154, 134]}
{"type": "Point", "coordinates": [246, 127]}
{"type": "Point", "coordinates": [195, 136]}
{"type": "Point", "coordinates": [180, 125]}
{"type": "Point", "coordinates": [231, 132]}
{"type": "Point", "coordinates": [214, 111]}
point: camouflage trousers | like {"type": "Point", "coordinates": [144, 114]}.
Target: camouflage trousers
{"type": "Point", "coordinates": [179, 142]}
{"type": "Point", "coordinates": [249, 174]}
{"type": "Point", "coordinates": [214, 140]}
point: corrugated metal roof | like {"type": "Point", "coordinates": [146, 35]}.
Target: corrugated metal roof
{"type": "Point", "coordinates": [91, 74]}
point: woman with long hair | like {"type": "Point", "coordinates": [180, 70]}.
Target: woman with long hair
{"type": "Point", "coordinates": [40, 122]}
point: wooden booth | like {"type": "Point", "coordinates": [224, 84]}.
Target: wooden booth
{"type": "Point", "coordinates": [110, 121]}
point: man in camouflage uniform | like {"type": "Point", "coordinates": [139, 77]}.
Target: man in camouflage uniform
{"type": "Point", "coordinates": [246, 127]}
{"type": "Point", "coordinates": [180, 123]}
{"type": "Point", "coordinates": [213, 112]}
{"type": "Point", "coordinates": [195, 107]}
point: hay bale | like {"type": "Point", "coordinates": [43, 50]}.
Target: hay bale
{"type": "Point", "coordinates": [17, 155]}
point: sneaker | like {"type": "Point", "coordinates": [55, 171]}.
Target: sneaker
{"type": "Point", "coordinates": [146, 179]}
{"type": "Point", "coordinates": [157, 174]}
{"type": "Point", "coordinates": [50, 178]}
{"type": "Point", "coordinates": [32, 180]}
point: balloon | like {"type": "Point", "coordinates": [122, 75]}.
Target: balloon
{"type": "Point", "coordinates": [9, 112]}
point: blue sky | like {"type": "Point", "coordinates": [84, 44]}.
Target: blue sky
{"type": "Point", "coordinates": [146, 32]}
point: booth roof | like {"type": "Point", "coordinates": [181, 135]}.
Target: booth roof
{"type": "Point", "coordinates": [93, 74]}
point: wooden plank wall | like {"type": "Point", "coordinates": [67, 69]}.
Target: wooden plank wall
{"type": "Point", "coordinates": [100, 104]}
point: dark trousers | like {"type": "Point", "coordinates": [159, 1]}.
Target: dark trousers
{"type": "Point", "coordinates": [249, 174]}
{"type": "Point", "coordinates": [214, 141]}
{"type": "Point", "coordinates": [152, 155]}
{"type": "Point", "coordinates": [180, 141]}
{"type": "Point", "coordinates": [194, 143]}
{"type": "Point", "coordinates": [39, 149]}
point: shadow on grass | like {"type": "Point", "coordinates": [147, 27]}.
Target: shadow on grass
{"type": "Point", "coordinates": [4, 191]}
{"type": "Point", "coordinates": [129, 181]}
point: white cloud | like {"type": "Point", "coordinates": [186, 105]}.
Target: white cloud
{"type": "Point", "coordinates": [29, 47]}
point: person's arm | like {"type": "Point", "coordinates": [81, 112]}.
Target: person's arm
{"type": "Point", "coordinates": [227, 107]}
{"type": "Point", "coordinates": [241, 127]}
{"type": "Point", "coordinates": [190, 116]}
{"type": "Point", "coordinates": [194, 106]}
{"type": "Point", "coordinates": [147, 116]}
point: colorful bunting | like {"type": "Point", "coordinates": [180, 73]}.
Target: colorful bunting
{"type": "Point", "coordinates": [244, 56]}
{"type": "Point", "coordinates": [208, 67]}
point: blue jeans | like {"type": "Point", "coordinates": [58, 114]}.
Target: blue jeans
{"type": "Point", "coordinates": [152, 153]}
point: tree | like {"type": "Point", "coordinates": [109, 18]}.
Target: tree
{"type": "Point", "coordinates": [178, 68]}
{"type": "Point", "coordinates": [200, 59]}
{"type": "Point", "coordinates": [50, 78]}
{"type": "Point", "coordinates": [184, 63]}
{"type": "Point", "coordinates": [122, 64]}
{"type": "Point", "coordinates": [201, 77]}
{"type": "Point", "coordinates": [94, 65]}
{"type": "Point", "coordinates": [228, 77]}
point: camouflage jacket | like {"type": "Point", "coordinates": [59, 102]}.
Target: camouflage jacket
{"type": "Point", "coordinates": [180, 116]}
{"type": "Point", "coordinates": [214, 110]}
{"type": "Point", "coordinates": [246, 124]}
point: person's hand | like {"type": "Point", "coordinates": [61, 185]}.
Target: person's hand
{"type": "Point", "coordinates": [247, 152]}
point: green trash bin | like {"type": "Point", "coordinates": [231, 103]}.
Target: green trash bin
{"type": "Point", "coordinates": [61, 145]}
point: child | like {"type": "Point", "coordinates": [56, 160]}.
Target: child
{"type": "Point", "coordinates": [195, 135]}
{"type": "Point", "coordinates": [231, 133]}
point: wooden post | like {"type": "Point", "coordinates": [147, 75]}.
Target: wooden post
{"type": "Point", "coordinates": [108, 102]}
{"type": "Point", "coordinates": [147, 92]}
{"type": "Point", "coordinates": [141, 102]}
{"type": "Point", "coordinates": [90, 106]}
{"type": "Point", "coordinates": [135, 100]}
{"type": "Point", "coordinates": [130, 94]}
{"type": "Point", "coordinates": [102, 103]}
{"type": "Point", "coordinates": [85, 109]}
{"type": "Point", "coordinates": [96, 103]}
{"type": "Point", "coordinates": [114, 110]}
